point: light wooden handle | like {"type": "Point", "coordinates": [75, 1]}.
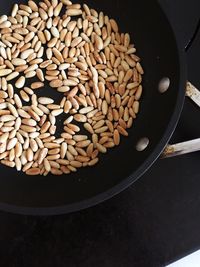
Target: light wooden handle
{"type": "Point", "coordinates": [189, 146]}
{"type": "Point", "coordinates": [193, 93]}
{"type": "Point", "coordinates": [181, 148]}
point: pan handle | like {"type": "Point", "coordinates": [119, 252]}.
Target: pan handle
{"type": "Point", "coordinates": [181, 148]}
{"type": "Point", "coordinates": [189, 146]}
{"type": "Point", "coordinates": [193, 93]}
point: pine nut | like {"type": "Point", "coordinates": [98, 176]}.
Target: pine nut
{"type": "Point", "coordinates": [89, 61]}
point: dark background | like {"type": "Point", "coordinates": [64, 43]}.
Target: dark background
{"type": "Point", "coordinates": [154, 222]}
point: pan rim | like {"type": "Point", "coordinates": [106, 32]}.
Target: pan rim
{"type": "Point", "coordinates": [125, 183]}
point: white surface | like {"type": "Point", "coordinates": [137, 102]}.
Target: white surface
{"type": "Point", "coordinates": [193, 260]}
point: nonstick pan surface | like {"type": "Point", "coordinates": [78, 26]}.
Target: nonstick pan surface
{"type": "Point", "coordinates": [161, 57]}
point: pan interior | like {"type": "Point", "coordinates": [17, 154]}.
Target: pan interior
{"type": "Point", "coordinates": [156, 45]}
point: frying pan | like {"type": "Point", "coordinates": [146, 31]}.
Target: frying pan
{"type": "Point", "coordinates": [161, 57]}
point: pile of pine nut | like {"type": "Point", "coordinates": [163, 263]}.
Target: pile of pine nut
{"type": "Point", "coordinates": [81, 54]}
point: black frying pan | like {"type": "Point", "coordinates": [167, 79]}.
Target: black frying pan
{"type": "Point", "coordinates": [161, 57]}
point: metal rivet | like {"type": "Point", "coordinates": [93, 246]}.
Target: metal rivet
{"type": "Point", "coordinates": [142, 144]}
{"type": "Point", "coordinates": [163, 85]}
